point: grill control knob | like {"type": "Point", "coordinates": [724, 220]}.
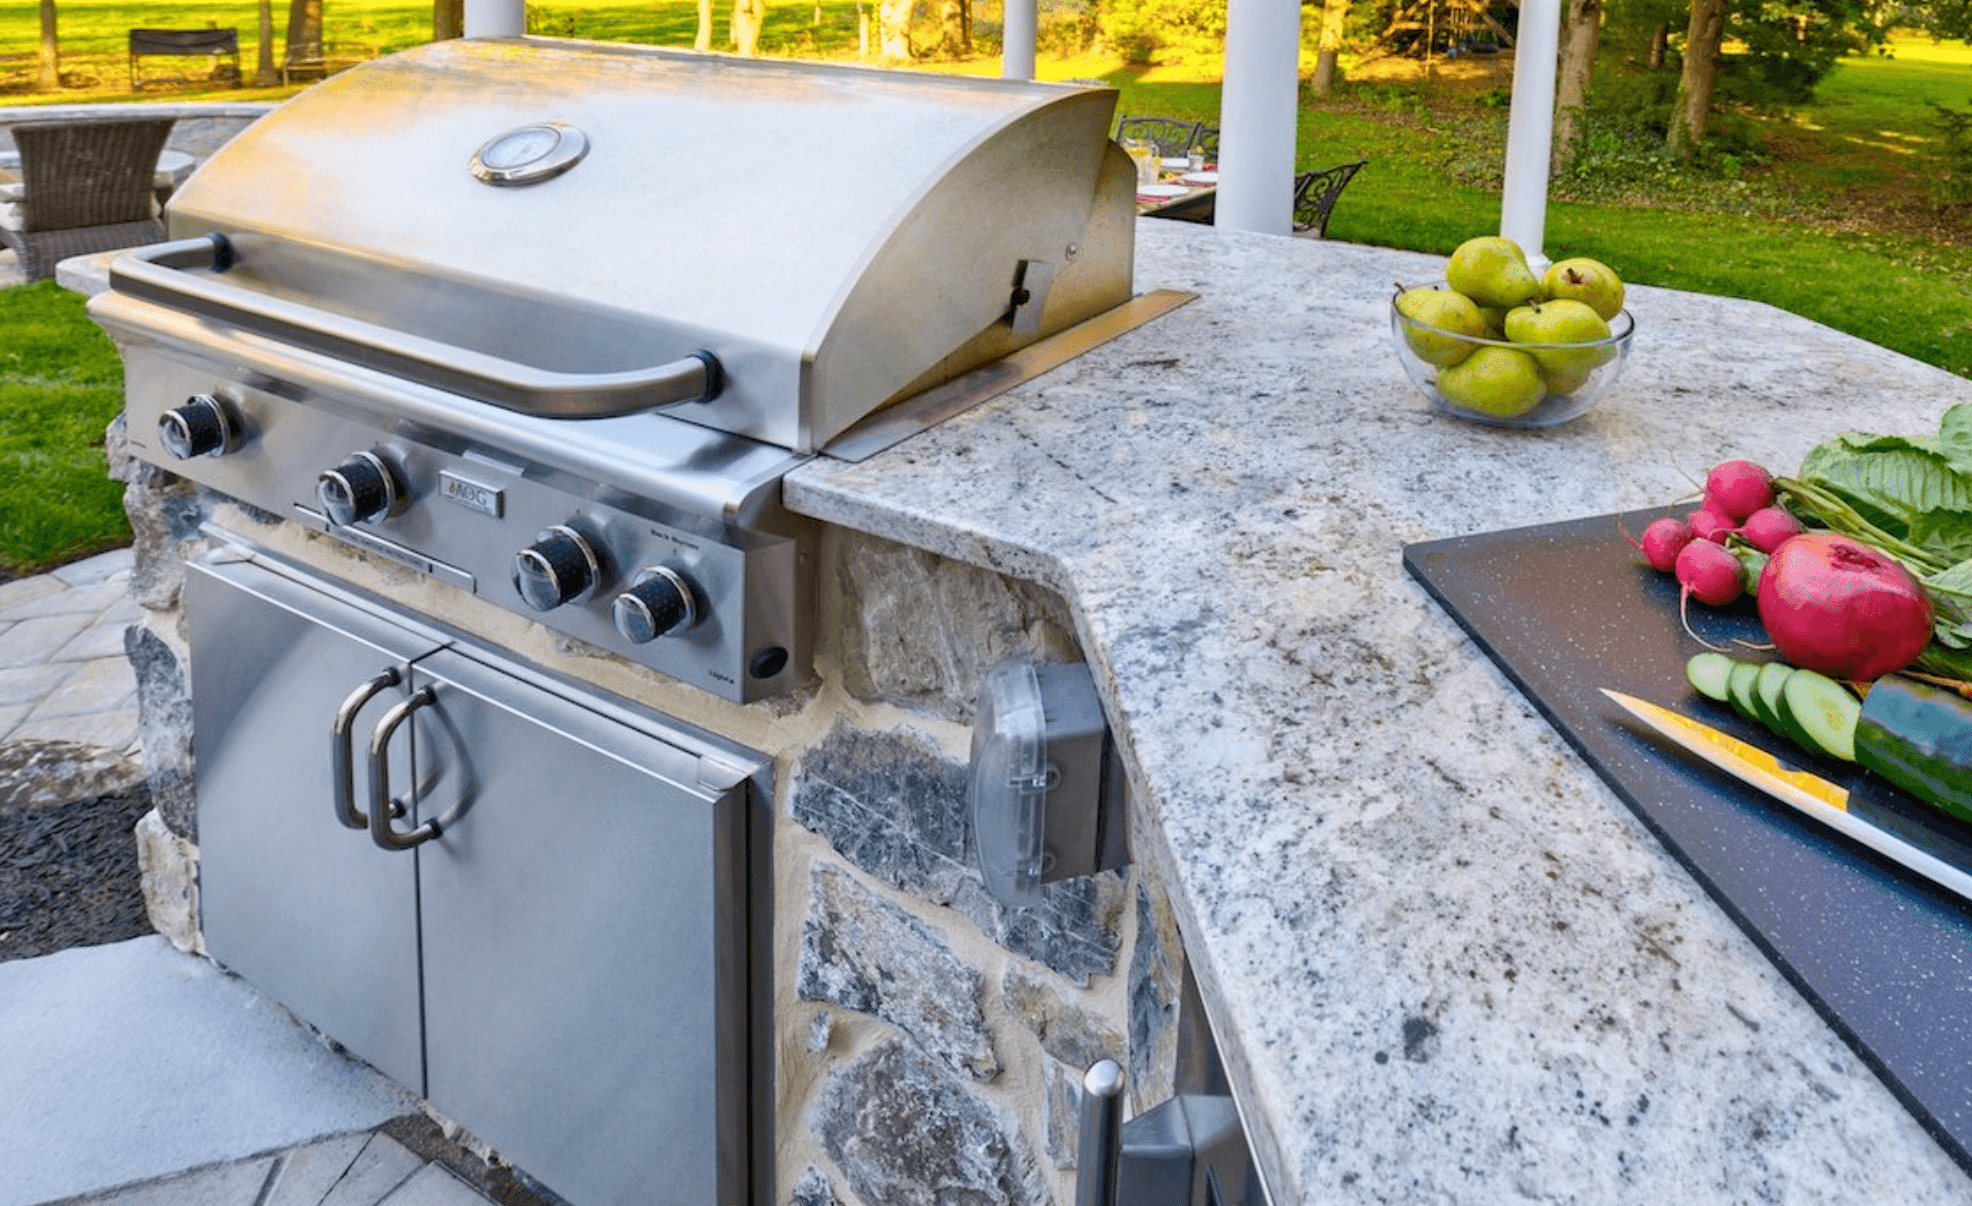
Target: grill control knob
{"type": "Point", "coordinates": [360, 488]}
{"type": "Point", "coordinates": [658, 603]}
{"type": "Point", "coordinates": [557, 567]}
{"type": "Point", "coordinates": [198, 428]}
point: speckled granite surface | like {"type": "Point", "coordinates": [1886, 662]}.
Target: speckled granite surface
{"type": "Point", "coordinates": [1445, 962]}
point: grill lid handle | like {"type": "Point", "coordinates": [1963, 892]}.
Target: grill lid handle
{"type": "Point", "coordinates": [164, 273]}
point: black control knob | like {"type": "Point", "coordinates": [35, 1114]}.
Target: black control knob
{"type": "Point", "coordinates": [360, 488]}
{"type": "Point", "coordinates": [557, 567]}
{"type": "Point", "coordinates": [198, 428]}
{"type": "Point", "coordinates": [658, 603]}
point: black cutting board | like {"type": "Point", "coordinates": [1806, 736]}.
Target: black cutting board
{"type": "Point", "coordinates": [1884, 955]}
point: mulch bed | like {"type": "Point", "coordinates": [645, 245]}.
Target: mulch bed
{"type": "Point", "coordinates": [68, 875]}
{"type": "Point", "coordinates": [68, 856]}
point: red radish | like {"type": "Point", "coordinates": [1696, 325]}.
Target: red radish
{"type": "Point", "coordinates": [1736, 489]}
{"type": "Point", "coordinates": [1769, 527]}
{"type": "Point", "coordinates": [1843, 608]}
{"type": "Point", "coordinates": [1710, 525]}
{"type": "Point", "coordinates": [1663, 540]}
{"type": "Point", "coordinates": [1708, 573]}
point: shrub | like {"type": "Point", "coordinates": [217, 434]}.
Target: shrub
{"type": "Point", "coordinates": [1953, 183]}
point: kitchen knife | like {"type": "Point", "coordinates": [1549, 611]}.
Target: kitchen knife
{"type": "Point", "coordinates": [1807, 792]}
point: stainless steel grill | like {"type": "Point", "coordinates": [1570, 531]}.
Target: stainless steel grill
{"type": "Point", "coordinates": [549, 321]}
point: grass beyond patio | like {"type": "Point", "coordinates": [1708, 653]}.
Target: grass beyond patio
{"type": "Point", "coordinates": [1830, 222]}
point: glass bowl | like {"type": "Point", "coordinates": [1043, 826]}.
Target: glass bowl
{"type": "Point", "coordinates": [1574, 376]}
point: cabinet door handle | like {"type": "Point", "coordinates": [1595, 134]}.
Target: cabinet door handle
{"type": "Point", "coordinates": [342, 758]}
{"type": "Point", "coordinates": [380, 831]}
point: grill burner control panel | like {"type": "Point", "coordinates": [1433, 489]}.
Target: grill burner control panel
{"type": "Point", "coordinates": [716, 609]}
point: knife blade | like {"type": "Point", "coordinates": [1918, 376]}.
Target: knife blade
{"type": "Point", "coordinates": [1805, 791]}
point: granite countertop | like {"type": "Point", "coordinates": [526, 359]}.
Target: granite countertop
{"type": "Point", "coordinates": [1445, 963]}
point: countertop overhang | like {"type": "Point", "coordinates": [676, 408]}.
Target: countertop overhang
{"type": "Point", "coordinates": [1444, 962]}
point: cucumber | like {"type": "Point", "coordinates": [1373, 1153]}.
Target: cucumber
{"type": "Point", "coordinates": [1707, 674]}
{"type": "Point", "coordinates": [1919, 738]}
{"type": "Point", "coordinates": [1766, 694]}
{"type": "Point", "coordinates": [1824, 712]}
{"type": "Point", "coordinates": [1739, 689]}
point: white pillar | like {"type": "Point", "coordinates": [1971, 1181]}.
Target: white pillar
{"type": "Point", "coordinates": [1256, 116]}
{"type": "Point", "coordinates": [1530, 127]}
{"type": "Point", "coordinates": [495, 18]}
{"type": "Point", "coordinates": [1017, 40]}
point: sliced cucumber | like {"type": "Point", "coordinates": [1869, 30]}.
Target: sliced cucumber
{"type": "Point", "coordinates": [1919, 738]}
{"type": "Point", "coordinates": [1766, 694]}
{"type": "Point", "coordinates": [1739, 689]}
{"type": "Point", "coordinates": [1824, 712]}
{"type": "Point", "coordinates": [1707, 673]}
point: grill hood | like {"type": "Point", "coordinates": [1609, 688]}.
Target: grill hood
{"type": "Point", "coordinates": [836, 238]}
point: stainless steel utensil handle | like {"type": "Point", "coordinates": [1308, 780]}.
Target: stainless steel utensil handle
{"type": "Point", "coordinates": [1100, 1156]}
{"type": "Point", "coordinates": [342, 755]}
{"type": "Point", "coordinates": [162, 273]}
{"type": "Point", "coordinates": [380, 831]}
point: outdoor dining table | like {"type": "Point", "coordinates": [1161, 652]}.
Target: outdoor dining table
{"type": "Point", "coordinates": [1180, 192]}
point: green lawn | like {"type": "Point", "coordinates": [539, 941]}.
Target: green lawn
{"type": "Point", "coordinates": [60, 385]}
{"type": "Point", "coordinates": [1830, 222]}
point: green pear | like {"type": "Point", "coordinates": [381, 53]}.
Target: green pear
{"type": "Point", "coordinates": [1434, 313]}
{"type": "Point", "coordinates": [1495, 317]}
{"type": "Point", "coordinates": [1585, 280]}
{"type": "Point", "coordinates": [1566, 382]}
{"type": "Point", "coordinates": [1502, 382]}
{"type": "Point", "coordinates": [1561, 322]}
{"type": "Point", "coordinates": [1493, 272]}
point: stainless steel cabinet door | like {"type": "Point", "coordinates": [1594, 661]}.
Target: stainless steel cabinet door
{"type": "Point", "coordinates": [307, 910]}
{"type": "Point", "coordinates": [584, 943]}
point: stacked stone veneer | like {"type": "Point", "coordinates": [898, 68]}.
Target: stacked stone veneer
{"type": "Point", "coordinates": [928, 1041]}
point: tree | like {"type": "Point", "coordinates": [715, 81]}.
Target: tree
{"type": "Point", "coordinates": [51, 50]}
{"type": "Point", "coordinates": [1581, 34]}
{"type": "Point", "coordinates": [1334, 14]}
{"type": "Point", "coordinates": [448, 19]}
{"type": "Point", "coordinates": [264, 75]}
{"type": "Point", "coordinates": [955, 27]}
{"type": "Point", "coordinates": [893, 19]}
{"type": "Point", "coordinates": [304, 33]}
{"type": "Point", "coordinates": [1693, 108]}
{"type": "Point", "coordinates": [748, 17]}
{"type": "Point", "coordinates": [704, 39]}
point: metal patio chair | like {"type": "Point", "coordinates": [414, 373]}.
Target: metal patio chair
{"type": "Point", "coordinates": [1315, 194]}
{"type": "Point", "coordinates": [1169, 136]}
{"type": "Point", "coordinates": [85, 186]}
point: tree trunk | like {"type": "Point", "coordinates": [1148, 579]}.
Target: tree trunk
{"type": "Point", "coordinates": [1660, 39]}
{"type": "Point", "coordinates": [953, 40]}
{"type": "Point", "coordinates": [304, 32]}
{"type": "Point", "coordinates": [264, 75]}
{"type": "Point", "coordinates": [1701, 64]}
{"type": "Point", "coordinates": [1334, 13]}
{"type": "Point", "coordinates": [894, 29]}
{"type": "Point", "coordinates": [704, 39]}
{"type": "Point", "coordinates": [748, 17]}
{"type": "Point", "coordinates": [51, 49]}
{"type": "Point", "coordinates": [448, 19]}
{"type": "Point", "coordinates": [1580, 37]}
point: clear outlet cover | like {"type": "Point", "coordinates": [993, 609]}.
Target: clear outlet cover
{"type": "Point", "coordinates": [1009, 787]}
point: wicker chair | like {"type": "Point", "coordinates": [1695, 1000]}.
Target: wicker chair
{"type": "Point", "coordinates": [1315, 194]}
{"type": "Point", "coordinates": [1169, 136]}
{"type": "Point", "coordinates": [86, 186]}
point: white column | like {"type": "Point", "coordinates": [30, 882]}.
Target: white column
{"type": "Point", "coordinates": [1530, 127]}
{"type": "Point", "coordinates": [495, 18]}
{"type": "Point", "coordinates": [1256, 116]}
{"type": "Point", "coordinates": [1017, 40]}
